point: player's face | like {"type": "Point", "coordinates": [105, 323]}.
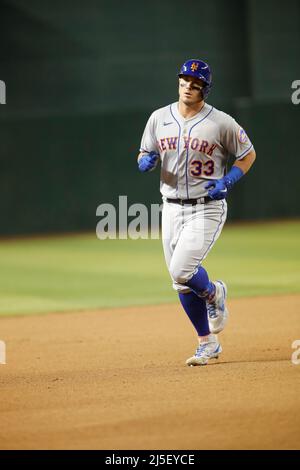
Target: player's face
{"type": "Point", "coordinates": [190, 90]}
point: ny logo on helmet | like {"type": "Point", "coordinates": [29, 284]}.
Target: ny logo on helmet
{"type": "Point", "coordinates": [194, 66]}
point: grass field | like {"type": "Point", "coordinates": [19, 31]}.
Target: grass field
{"type": "Point", "coordinates": [68, 273]}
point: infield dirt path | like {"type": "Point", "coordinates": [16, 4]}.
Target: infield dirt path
{"type": "Point", "coordinates": [116, 379]}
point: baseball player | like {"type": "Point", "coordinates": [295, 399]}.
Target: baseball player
{"type": "Point", "coordinates": [193, 141]}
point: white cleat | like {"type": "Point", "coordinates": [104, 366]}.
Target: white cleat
{"type": "Point", "coordinates": [204, 353]}
{"type": "Point", "coordinates": [216, 310]}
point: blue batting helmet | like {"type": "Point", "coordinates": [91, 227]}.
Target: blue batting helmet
{"type": "Point", "coordinates": [199, 69]}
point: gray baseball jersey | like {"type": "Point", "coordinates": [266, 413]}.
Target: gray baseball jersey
{"type": "Point", "coordinates": [193, 151]}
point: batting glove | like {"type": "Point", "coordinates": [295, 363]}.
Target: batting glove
{"type": "Point", "coordinates": [220, 190]}
{"type": "Point", "coordinates": [222, 185]}
{"type": "Point", "coordinates": [148, 161]}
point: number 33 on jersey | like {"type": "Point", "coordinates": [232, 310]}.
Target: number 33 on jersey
{"type": "Point", "coordinates": [193, 150]}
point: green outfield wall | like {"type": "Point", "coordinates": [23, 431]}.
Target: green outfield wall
{"type": "Point", "coordinates": [83, 77]}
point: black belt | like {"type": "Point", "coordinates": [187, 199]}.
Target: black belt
{"type": "Point", "coordinates": [193, 202]}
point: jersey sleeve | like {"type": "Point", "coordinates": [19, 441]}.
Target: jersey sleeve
{"type": "Point", "coordinates": [235, 139]}
{"type": "Point", "coordinates": [149, 141]}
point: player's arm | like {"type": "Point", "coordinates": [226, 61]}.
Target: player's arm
{"type": "Point", "coordinates": [147, 161]}
{"type": "Point", "coordinates": [246, 162]}
{"type": "Point", "coordinates": [218, 189]}
{"type": "Point", "coordinates": [149, 152]}
{"type": "Point", "coordinates": [238, 144]}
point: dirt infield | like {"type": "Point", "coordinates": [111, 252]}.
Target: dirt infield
{"type": "Point", "coordinates": [116, 379]}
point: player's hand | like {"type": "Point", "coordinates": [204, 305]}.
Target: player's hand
{"type": "Point", "coordinates": [217, 189]}
{"type": "Point", "coordinates": [148, 161]}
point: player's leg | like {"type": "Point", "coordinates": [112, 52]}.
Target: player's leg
{"type": "Point", "coordinates": [201, 228]}
{"type": "Point", "coordinates": [173, 219]}
{"type": "Point", "coordinates": [215, 294]}
{"type": "Point", "coordinates": [209, 347]}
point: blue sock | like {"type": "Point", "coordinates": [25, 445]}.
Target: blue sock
{"type": "Point", "coordinates": [195, 308]}
{"type": "Point", "coordinates": [201, 284]}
